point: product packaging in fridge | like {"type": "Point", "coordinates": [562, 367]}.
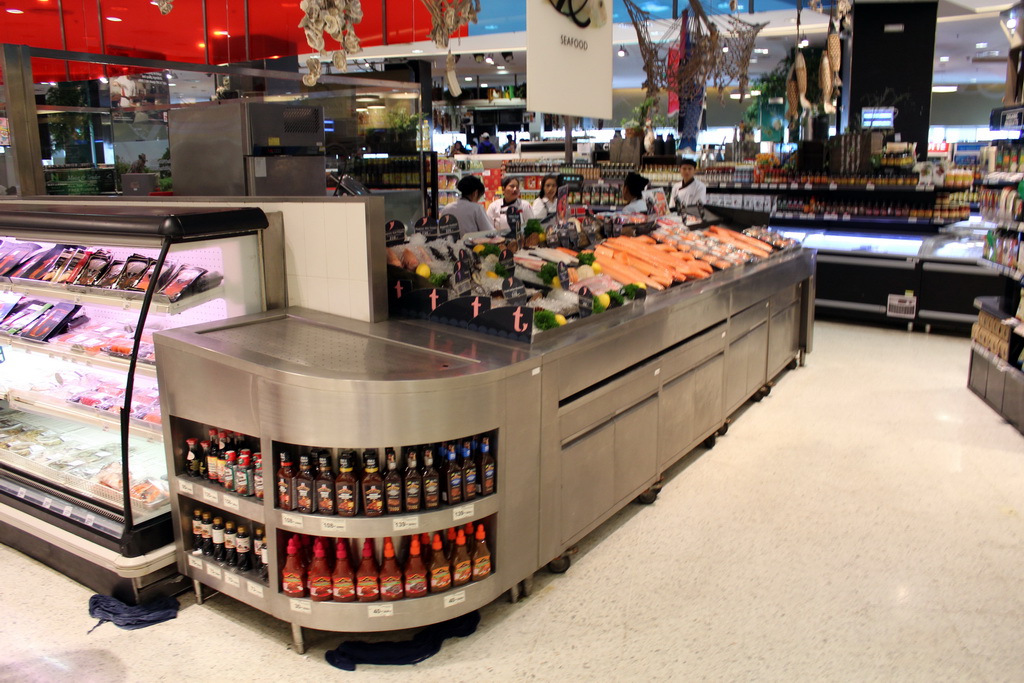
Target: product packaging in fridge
{"type": "Point", "coordinates": [95, 265]}
{"type": "Point", "coordinates": [8, 302]}
{"type": "Point", "coordinates": [23, 315]}
{"type": "Point", "coordinates": [38, 264]}
{"type": "Point", "coordinates": [14, 254]}
{"type": "Point", "coordinates": [183, 280]}
{"type": "Point", "coordinates": [134, 270]}
{"type": "Point", "coordinates": [51, 322]}
{"type": "Point", "coordinates": [110, 277]}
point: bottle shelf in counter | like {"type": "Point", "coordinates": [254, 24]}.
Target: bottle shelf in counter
{"type": "Point", "coordinates": [120, 299]}
{"type": "Point", "coordinates": [1009, 272]}
{"type": "Point", "coordinates": [998, 362]}
{"type": "Point", "coordinates": [98, 360]}
{"type": "Point", "coordinates": [111, 422]}
{"type": "Point", "coordinates": [385, 525]}
{"type": "Point", "coordinates": [244, 587]}
{"type": "Point", "coordinates": [851, 218]}
{"type": "Point", "coordinates": [251, 508]}
{"type": "Point", "coordinates": [833, 187]}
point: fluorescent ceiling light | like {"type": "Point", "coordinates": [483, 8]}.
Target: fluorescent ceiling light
{"type": "Point", "coordinates": [367, 99]}
{"type": "Point", "coordinates": [361, 109]}
{"type": "Point", "coordinates": [483, 85]}
{"type": "Point", "coordinates": [172, 84]}
{"type": "Point", "coordinates": [376, 106]}
{"type": "Point", "coordinates": [114, 19]}
{"type": "Point", "coordinates": [15, 11]}
{"type": "Point", "coordinates": [943, 88]}
{"type": "Point", "coordinates": [489, 59]}
{"type": "Point", "coordinates": [760, 50]}
{"type": "Point", "coordinates": [804, 42]}
{"type": "Point", "coordinates": [944, 59]}
{"type": "Point", "coordinates": [468, 79]}
{"type": "Point", "coordinates": [981, 46]}
{"type": "Point", "coordinates": [725, 49]}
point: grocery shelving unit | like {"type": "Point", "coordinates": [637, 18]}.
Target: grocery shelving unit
{"type": "Point", "coordinates": [51, 507]}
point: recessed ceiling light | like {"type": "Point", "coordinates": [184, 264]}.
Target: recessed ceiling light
{"type": "Point", "coordinates": [943, 88]}
{"type": "Point", "coordinates": [172, 84]}
{"type": "Point", "coordinates": [15, 11]}
{"type": "Point", "coordinates": [502, 67]}
{"type": "Point", "coordinates": [376, 106]}
{"type": "Point", "coordinates": [981, 46]}
{"type": "Point", "coordinates": [367, 99]}
{"type": "Point", "coordinates": [361, 109]}
{"type": "Point", "coordinates": [753, 60]}
{"type": "Point", "coordinates": [468, 79]}
{"type": "Point", "coordinates": [417, 51]}
{"type": "Point", "coordinates": [489, 59]}
{"type": "Point", "coordinates": [804, 42]}
{"type": "Point", "coordinates": [944, 59]}
{"type": "Point", "coordinates": [725, 49]}
{"type": "Point", "coordinates": [1011, 23]}
{"type": "Point", "coordinates": [483, 85]}
{"type": "Point", "coordinates": [114, 19]}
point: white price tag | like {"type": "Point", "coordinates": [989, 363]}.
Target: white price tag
{"type": "Point", "coordinates": [301, 605]}
{"type": "Point", "coordinates": [186, 487]}
{"type": "Point", "coordinates": [210, 496]}
{"type": "Point", "coordinates": [455, 599]}
{"type": "Point", "coordinates": [405, 523]}
{"type": "Point", "coordinates": [846, 217]}
{"type": "Point", "coordinates": [463, 511]}
{"type": "Point", "coordinates": [254, 588]}
{"type": "Point", "coordinates": [912, 219]}
{"type": "Point", "coordinates": [214, 571]}
{"type": "Point", "coordinates": [773, 186]}
{"type": "Point", "coordinates": [230, 503]}
{"type": "Point", "coordinates": [90, 518]}
{"type": "Point", "coordinates": [870, 187]}
{"type": "Point", "coordinates": [833, 186]}
{"type": "Point", "coordinates": [380, 610]}
{"type": "Point", "coordinates": [66, 511]}
{"type": "Point", "coordinates": [808, 186]}
{"type": "Point", "coordinates": [831, 216]}
{"type": "Point", "coordinates": [194, 561]}
{"type": "Point", "coordinates": [47, 501]}
{"type": "Point", "coordinates": [21, 492]}
{"type": "Point", "coordinates": [232, 579]}
{"type": "Point", "coordinates": [794, 186]}
{"type": "Point", "coordinates": [293, 521]}
{"type": "Point", "coordinates": [333, 525]}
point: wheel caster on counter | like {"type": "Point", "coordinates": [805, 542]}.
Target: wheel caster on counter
{"type": "Point", "coordinates": [651, 494]}
{"type": "Point", "coordinates": [724, 429]}
{"type": "Point", "coordinates": [710, 442]}
{"type": "Point", "coordinates": [513, 593]}
{"type": "Point", "coordinates": [793, 364]}
{"type": "Point", "coordinates": [526, 587]}
{"type": "Point", "coordinates": [560, 565]}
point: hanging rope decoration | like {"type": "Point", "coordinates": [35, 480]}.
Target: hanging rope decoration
{"type": "Point", "coordinates": [447, 17]}
{"type": "Point", "coordinates": [335, 18]}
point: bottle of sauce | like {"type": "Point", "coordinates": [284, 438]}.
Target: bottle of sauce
{"type": "Point", "coordinates": [346, 491]}
{"type": "Point", "coordinates": [243, 547]}
{"type": "Point", "coordinates": [222, 449]}
{"type": "Point", "coordinates": [207, 534]}
{"type": "Point", "coordinates": [286, 484]}
{"type": "Point", "coordinates": [257, 476]}
{"type": "Point", "coordinates": [324, 485]}
{"type": "Point", "coordinates": [450, 545]}
{"type": "Point", "coordinates": [304, 486]}
{"type": "Point", "coordinates": [343, 581]}
{"type": "Point", "coordinates": [469, 473]}
{"type": "Point", "coordinates": [263, 570]}
{"type": "Point", "coordinates": [191, 466]}
{"type": "Point", "coordinates": [218, 539]}
{"type": "Point", "coordinates": [487, 468]}
{"type": "Point", "coordinates": [372, 485]}
{"type": "Point", "coordinates": [320, 582]}
{"type": "Point", "coordinates": [415, 572]}
{"type": "Point", "coordinates": [470, 537]}
{"type": "Point", "coordinates": [392, 484]}
{"type": "Point", "coordinates": [412, 483]}
{"type": "Point", "coordinates": [390, 575]}
{"type": "Point", "coordinates": [431, 482]}
{"type": "Point", "coordinates": [204, 459]}
{"type": "Point", "coordinates": [212, 457]}
{"type": "Point", "coordinates": [462, 566]}
{"type": "Point", "coordinates": [451, 485]}
{"type": "Point", "coordinates": [367, 581]}
{"type": "Point", "coordinates": [230, 536]}
{"type": "Point", "coordinates": [440, 570]}
{"type": "Point", "coordinates": [425, 549]}
{"type": "Point", "coordinates": [481, 555]}
{"type": "Point", "coordinates": [244, 474]}
{"type": "Point", "coordinates": [293, 575]}
{"type": "Point", "coordinates": [230, 461]}
{"type": "Point", "coordinates": [197, 532]}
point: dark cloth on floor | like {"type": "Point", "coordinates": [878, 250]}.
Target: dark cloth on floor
{"type": "Point", "coordinates": [106, 608]}
{"type": "Point", "coordinates": [423, 645]}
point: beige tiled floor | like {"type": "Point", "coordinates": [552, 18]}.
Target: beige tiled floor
{"type": "Point", "coordinates": [862, 523]}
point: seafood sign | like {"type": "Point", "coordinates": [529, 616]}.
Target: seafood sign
{"type": "Point", "coordinates": [584, 13]}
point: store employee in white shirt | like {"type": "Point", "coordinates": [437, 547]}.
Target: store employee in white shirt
{"type": "Point", "coordinates": [689, 191]}
{"type": "Point", "coordinates": [633, 193]}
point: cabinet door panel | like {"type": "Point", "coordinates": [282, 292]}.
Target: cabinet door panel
{"type": "Point", "coordinates": [636, 447]}
{"type": "Point", "coordinates": [588, 470]}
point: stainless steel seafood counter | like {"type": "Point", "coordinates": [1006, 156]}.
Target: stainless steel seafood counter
{"type": "Point", "coordinates": [584, 421]}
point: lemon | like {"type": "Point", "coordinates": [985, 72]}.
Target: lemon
{"type": "Point", "coordinates": [556, 284]}
{"type": "Point", "coordinates": [641, 285]}
{"type": "Point", "coordinates": [423, 270]}
{"type": "Point", "coordinates": [605, 300]}
{"type": "Point", "coordinates": [541, 237]}
{"type": "Point", "coordinates": [597, 268]}
{"type": "Point", "coordinates": [478, 248]}
{"type": "Point", "coordinates": [491, 273]}
{"type": "Point", "coordinates": [560, 319]}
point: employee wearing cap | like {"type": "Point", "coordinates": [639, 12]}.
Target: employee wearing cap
{"type": "Point", "coordinates": [486, 146]}
{"type": "Point", "coordinates": [689, 191]}
{"type": "Point", "coordinates": [633, 192]}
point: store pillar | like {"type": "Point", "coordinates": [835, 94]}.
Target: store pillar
{"type": "Point", "coordinates": [891, 66]}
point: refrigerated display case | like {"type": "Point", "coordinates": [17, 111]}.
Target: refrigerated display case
{"type": "Point", "coordinates": [81, 476]}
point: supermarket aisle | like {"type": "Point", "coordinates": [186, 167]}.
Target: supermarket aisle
{"type": "Point", "coordinates": [864, 522]}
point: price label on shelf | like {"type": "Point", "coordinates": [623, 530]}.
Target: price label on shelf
{"type": "Point", "coordinates": [870, 187]}
{"type": "Point", "coordinates": [405, 523]}
{"type": "Point", "coordinates": [463, 511]}
{"type": "Point", "coordinates": [186, 487]}
{"type": "Point", "coordinates": [831, 216]}
{"type": "Point", "coordinates": [254, 588]}
{"type": "Point", "coordinates": [90, 518]}
{"type": "Point", "coordinates": [232, 579]}
{"type": "Point", "coordinates": [846, 217]}
{"type": "Point", "coordinates": [195, 562]}
{"type": "Point", "coordinates": [912, 219]}
{"type": "Point", "coordinates": [455, 599]}
{"type": "Point", "coordinates": [66, 511]}
{"type": "Point", "coordinates": [380, 611]}
{"type": "Point", "coordinates": [21, 492]}
{"type": "Point", "coordinates": [301, 605]}
{"type": "Point", "coordinates": [333, 525]}
{"type": "Point", "coordinates": [47, 501]}
{"type": "Point", "coordinates": [808, 186]}
{"type": "Point", "coordinates": [773, 186]}
{"type": "Point", "coordinates": [230, 503]}
{"type": "Point", "coordinates": [833, 186]}
{"type": "Point", "coordinates": [211, 496]}
{"type": "Point", "coordinates": [794, 186]}
{"type": "Point", "coordinates": [293, 521]}
{"type": "Point", "coordinates": [214, 571]}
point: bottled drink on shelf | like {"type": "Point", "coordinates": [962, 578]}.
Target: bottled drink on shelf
{"type": "Point", "coordinates": [304, 486]}
{"type": "Point", "coordinates": [230, 464]}
{"type": "Point", "coordinates": [469, 472]}
{"type": "Point", "coordinates": [462, 566]}
{"type": "Point", "coordinates": [392, 483]}
{"type": "Point", "coordinates": [293, 574]}
{"type": "Point", "coordinates": [260, 556]}
{"type": "Point", "coordinates": [469, 530]}
{"type": "Point", "coordinates": [452, 535]}
{"type": "Point", "coordinates": [451, 484]}
{"type": "Point", "coordinates": [481, 555]}
{"type": "Point", "coordinates": [440, 570]}
{"type": "Point", "coordinates": [243, 549]}
{"type": "Point", "coordinates": [372, 485]}
{"type": "Point", "coordinates": [208, 534]}
{"type": "Point", "coordinates": [192, 456]}
{"type": "Point", "coordinates": [367, 577]}
{"type": "Point", "coordinates": [286, 484]}
{"type": "Point", "coordinates": [412, 483]}
{"type": "Point", "coordinates": [343, 580]}
{"type": "Point", "coordinates": [390, 575]}
{"type": "Point", "coordinates": [487, 468]}
{"type": "Point", "coordinates": [222, 449]}
{"type": "Point", "coordinates": [257, 476]}
{"type": "Point", "coordinates": [204, 459]}
{"type": "Point", "coordinates": [213, 456]}
{"type": "Point", "coordinates": [244, 475]}
{"type": "Point", "coordinates": [320, 582]}
{"type": "Point", "coordinates": [197, 532]}
{"type": "Point", "coordinates": [217, 533]}
{"type": "Point", "coordinates": [346, 488]}
{"type": "Point", "coordinates": [415, 572]}
{"type": "Point", "coordinates": [431, 481]}
{"type": "Point", "coordinates": [230, 538]}
{"type": "Point", "coordinates": [324, 485]}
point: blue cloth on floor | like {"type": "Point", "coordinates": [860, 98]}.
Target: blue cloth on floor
{"type": "Point", "coordinates": [106, 608]}
{"type": "Point", "coordinates": [423, 645]}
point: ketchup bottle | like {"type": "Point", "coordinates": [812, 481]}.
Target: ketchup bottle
{"type": "Point", "coordinates": [452, 536]}
{"type": "Point", "coordinates": [462, 567]}
{"type": "Point", "coordinates": [344, 582]}
{"type": "Point", "coordinates": [390, 574]}
{"type": "Point", "coordinates": [319, 574]}
{"type": "Point", "coordinates": [367, 581]}
{"type": "Point", "coordinates": [415, 572]}
{"type": "Point", "coordinates": [425, 548]}
{"type": "Point", "coordinates": [481, 555]}
{"type": "Point", "coordinates": [440, 570]}
{"type": "Point", "coordinates": [293, 576]}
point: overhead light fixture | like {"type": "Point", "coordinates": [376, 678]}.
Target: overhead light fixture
{"type": "Point", "coordinates": [944, 59]}
{"type": "Point", "coordinates": [622, 51]}
{"type": "Point", "coordinates": [478, 58]}
{"type": "Point", "coordinates": [753, 60]}
{"type": "Point", "coordinates": [114, 19]}
{"type": "Point", "coordinates": [417, 51]}
{"type": "Point", "coordinates": [755, 93]}
{"type": "Point", "coordinates": [376, 106]}
{"type": "Point", "coordinates": [222, 33]}
{"type": "Point", "coordinates": [944, 88]}
{"type": "Point", "coordinates": [104, 79]}
{"type": "Point", "coordinates": [483, 85]}
{"type": "Point", "coordinates": [489, 59]}
{"type": "Point", "coordinates": [200, 44]}
{"type": "Point", "coordinates": [804, 42]}
{"type": "Point", "coordinates": [361, 110]}
{"type": "Point", "coordinates": [507, 56]}
{"type": "Point", "coordinates": [760, 51]}
{"type": "Point", "coordinates": [15, 11]}
{"type": "Point", "coordinates": [981, 46]}
{"type": "Point", "coordinates": [468, 79]}
{"type": "Point", "coordinates": [502, 68]}
{"type": "Point", "coordinates": [734, 96]}
{"type": "Point", "coordinates": [725, 49]}
{"type": "Point", "coordinates": [172, 84]}
{"type": "Point", "coordinates": [1011, 23]}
